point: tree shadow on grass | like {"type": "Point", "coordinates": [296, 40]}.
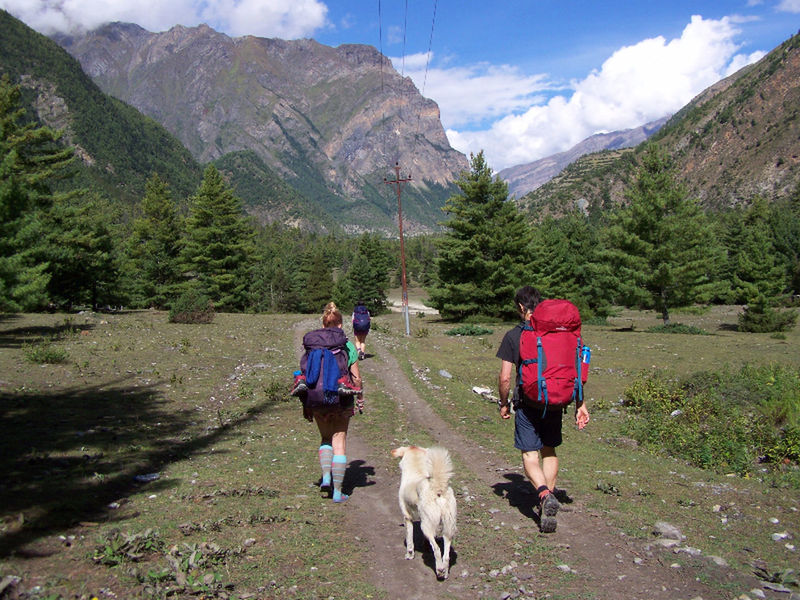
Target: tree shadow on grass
{"type": "Point", "coordinates": [49, 481]}
{"type": "Point", "coordinates": [19, 336]}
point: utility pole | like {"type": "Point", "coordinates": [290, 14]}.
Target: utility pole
{"type": "Point", "coordinates": [398, 183]}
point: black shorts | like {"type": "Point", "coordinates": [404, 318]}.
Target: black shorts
{"type": "Point", "coordinates": [532, 430]}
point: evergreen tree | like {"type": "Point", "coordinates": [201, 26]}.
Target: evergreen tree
{"type": "Point", "coordinates": [29, 159]}
{"type": "Point", "coordinates": [318, 290]}
{"type": "Point", "coordinates": [566, 264]}
{"type": "Point", "coordinates": [218, 246]}
{"type": "Point", "coordinates": [367, 278]}
{"type": "Point", "coordinates": [484, 253]}
{"type": "Point", "coordinates": [154, 246]}
{"type": "Point", "coordinates": [785, 225]}
{"type": "Point", "coordinates": [662, 247]}
{"type": "Point", "coordinates": [81, 251]}
{"type": "Point", "coordinates": [753, 264]}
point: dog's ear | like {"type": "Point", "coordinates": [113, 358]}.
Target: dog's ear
{"type": "Point", "coordinates": [399, 452]}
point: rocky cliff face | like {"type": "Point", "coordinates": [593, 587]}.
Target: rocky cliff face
{"type": "Point", "coordinates": [343, 114]}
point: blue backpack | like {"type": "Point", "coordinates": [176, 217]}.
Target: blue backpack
{"type": "Point", "coordinates": [361, 319]}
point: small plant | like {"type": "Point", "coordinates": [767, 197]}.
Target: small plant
{"type": "Point", "coordinates": [677, 328]}
{"type": "Point", "coordinates": [422, 332]}
{"type": "Point", "coordinates": [192, 307]}
{"type": "Point", "coordinates": [117, 547]}
{"type": "Point", "coordinates": [469, 330]}
{"type": "Point", "coordinates": [276, 390]}
{"type": "Point", "coordinates": [759, 317]}
{"type": "Point", "coordinates": [44, 353]}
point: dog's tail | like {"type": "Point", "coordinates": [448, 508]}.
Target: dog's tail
{"type": "Point", "coordinates": [440, 469]}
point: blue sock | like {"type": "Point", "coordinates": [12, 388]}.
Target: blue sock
{"type": "Point", "coordinates": [338, 467]}
{"type": "Point", "coordinates": [325, 458]}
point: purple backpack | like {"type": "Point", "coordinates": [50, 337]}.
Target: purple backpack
{"type": "Point", "coordinates": [361, 319]}
{"type": "Point", "coordinates": [323, 363]}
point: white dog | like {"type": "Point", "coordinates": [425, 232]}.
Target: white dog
{"type": "Point", "coordinates": [425, 493]}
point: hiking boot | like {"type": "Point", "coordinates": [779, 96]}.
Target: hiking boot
{"type": "Point", "coordinates": [361, 356]}
{"type": "Point", "coordinates": [346, 388]}
{"type": "Point", "coordinates": [299, 385]}
{"type": "Point", "coordinates": [548, 508]}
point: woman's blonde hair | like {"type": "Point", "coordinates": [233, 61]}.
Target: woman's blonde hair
{"type": "Point", "coordinates": [331, 317]}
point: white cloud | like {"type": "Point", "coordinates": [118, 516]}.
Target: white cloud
{"type": "Point", "coordinates": [476, 92]}
{"type": "Point", "coordinates": [792, 6]}
{"type": "Point", "coordinates": [287, 19]}
{"type": "Point", "coordinates": [635, 85]}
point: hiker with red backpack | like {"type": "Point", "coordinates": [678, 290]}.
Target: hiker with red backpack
{"type": "Point", "coordinates": [329, 387]}
{"type": "Point", "coordinates": [547, 354]}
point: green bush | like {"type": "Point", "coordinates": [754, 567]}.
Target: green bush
{"type": "Point", "coordinates": [677, 328]}
{"type": "Point", "coordinates": [192, 307]}
{"type": "Point", "coordinates": [719, 420]}
{"type": "Point", "coordinates": [44, 353]}
{"type": "Point", "coordinates": [759, 317]}
{"type": "Point", "coordinates": [469, 330]}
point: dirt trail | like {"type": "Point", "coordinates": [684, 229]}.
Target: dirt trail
{"type": "Point", "coordinates": [606, 563]}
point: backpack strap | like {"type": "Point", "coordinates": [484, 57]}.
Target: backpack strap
{"type": "Point", "coordinates": [577, 395]}
{"type": "Point", "coordinates": [542, 383]}
{"type": "Point", "coordinates": [525, 327]}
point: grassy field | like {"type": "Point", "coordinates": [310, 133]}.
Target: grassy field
{"type": "Point", "coordinates": [162, 460]}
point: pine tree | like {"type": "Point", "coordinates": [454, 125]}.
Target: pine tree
{"type": "Point", "coordinates": [662, 247]}
{"type": "Point", "coordinates": [82, 253]}
{"type": "Point", "coordinates": [785, 225]}
{"type": "Point", "coordinates": [29, 158]}
{"type": "Point", "coordinates": [318, 282]}
{"type": "Point", "coordinates": [367, 277]}
{"type": "Point", "coordinates": [566, 263]}
{"type": "Point", "coordinates": [483, 255]}
{"type": "Point", "coordinates": [218, 249]}
{"type": "Point", "coordinates": [154, 246]}
{"type": "Point", "coordinates": [753, 264]}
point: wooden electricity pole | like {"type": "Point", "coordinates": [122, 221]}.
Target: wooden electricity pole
{"type": "Point", "coordinates": [398, 183]}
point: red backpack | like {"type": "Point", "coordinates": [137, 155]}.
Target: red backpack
{"type": "Point", "coordinates": [554, 362]}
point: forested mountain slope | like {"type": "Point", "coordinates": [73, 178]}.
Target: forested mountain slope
{"type": "Point", "coordinates": [737, 139]}
{"type": "Point", "coordinates": [118, 147]}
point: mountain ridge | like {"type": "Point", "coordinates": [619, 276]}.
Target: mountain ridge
{"type": "Point", "coordinates": [525, 178]}
{"type": "Point", "coordinates": [330, 121]}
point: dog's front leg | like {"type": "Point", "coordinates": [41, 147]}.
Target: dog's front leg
{"type": "Point", "coordinates": [409, 538]}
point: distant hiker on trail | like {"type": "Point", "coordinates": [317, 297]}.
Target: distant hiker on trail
{"type": "Point", "coordinates": [327, 383]}
{"type": "Point", "coordinates": [361, 322]}
{"type": "Point", "coordinates": [537, 427]}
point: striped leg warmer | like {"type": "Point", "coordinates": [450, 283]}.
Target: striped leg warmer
{"type": "Point", "coordinates": [325, 459]}
{"type": "Point", "coordinates": [338, 467]}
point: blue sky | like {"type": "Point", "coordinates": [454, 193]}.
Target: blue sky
{"type": "Point", "coordinates": [518, 79]}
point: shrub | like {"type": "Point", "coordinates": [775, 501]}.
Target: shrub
{"type": "Point", "coordinates": [759, 317]}
{"type": "Point", "coordinates": [722, 421]}
{"type": "Point", "coordinates": [677, 328]}
{"type": "Point", "coordinates": [44, 353]}
{"type": "Point", "coordinates": [469, 330]}
{"type": "Point", "coordinates": [192, 307]}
